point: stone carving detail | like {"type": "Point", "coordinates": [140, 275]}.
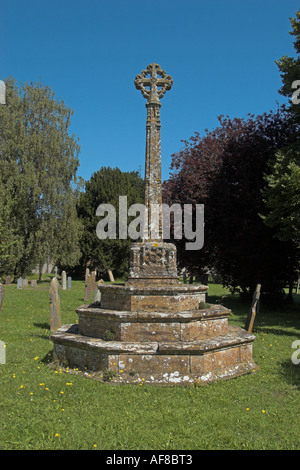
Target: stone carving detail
{"type": "Point", "coordinates": [154, 260]}
{"type": "Point", "coordinates": [157, 81]}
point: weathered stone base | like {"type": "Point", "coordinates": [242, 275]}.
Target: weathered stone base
{"type": "Point", "coordinates": [170, 298]}
{"type": "Point", "coordinates": [190, 325]}
{"type": "Point", "coordinates": [181, 362]}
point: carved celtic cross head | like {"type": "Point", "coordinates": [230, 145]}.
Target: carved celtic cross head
{"type": "Point", "coordinates": [153, 83]}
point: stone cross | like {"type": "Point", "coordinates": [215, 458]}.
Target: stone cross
{"type": "Point", "coordinates": [153, 83]}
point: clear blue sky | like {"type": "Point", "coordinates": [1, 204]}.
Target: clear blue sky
{"type": "Point", "coordinates": [220, 53]}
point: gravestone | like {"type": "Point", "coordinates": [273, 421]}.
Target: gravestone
{"type": "Point", "coordinates": [8, 280]}
{"type": "Point", "coordinates": [93, 280]}
{"type": "Point", "coordinates": [24, 283]}
{"type": "Point", "coordinates": [64, 280]}
{"type": "Point", "coordinates": [97, 292]}
{"type": "Point", "coordinates": [159, 331]}
{"type": "Point", "coordinates": [69, 283]}
{"type": "Point", "coordinates": [2, 352]}
{"type": "Point", "coordinates": [2, 92]}
{"type": "Point", "coordinates": [111, 276]}
{"type": "Point", "coordinates": [88, 287]}
{"type": "Point", "coordinates": [19, 283]}
{"type": "Point", "coordinates": [33, 283]}
{"type": "Point", "coordinates": [55, 318]}
{"type": "Point", "coordinates": [253, 310]}
{"type": "Point", "coordinates": [1, 295]}
{"type": "Point", "coordinates": [55, 271]}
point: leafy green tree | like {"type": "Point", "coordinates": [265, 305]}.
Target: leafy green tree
{"type": "Point", "coordinates": [289, 68]}
{"type": "Point", "coordinates": [104, 187]}
{"type": "Point", "coordinates": [282, 192]}
{"type": "Point", "coordinates": [283, 196]}
{"type": "Point", "coordinates": [38, 164]}
{"type": "Point", "coordinates": [224, 170]}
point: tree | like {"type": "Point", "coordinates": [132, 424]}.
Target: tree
{"type": "Point", "coordinates": [282, 191]}
{"type": "Point", "coordinates": [224, 170]}
{"type": "Point", "coordinates": [38, 163]}
{"type": "Point", "coordinates": [283, 196]}
{"type": "Point", "coordinates": [290, 70]}
{"type": "Point", "coordinates": [104, 187]}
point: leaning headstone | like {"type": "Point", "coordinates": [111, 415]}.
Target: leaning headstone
{"type": "Point", "coordinates": [55, 319]}
{"type": "Point", "coordinates": [64, 280]}
{"type": "Point", "coordinates": [69, 283]}
{"type": "Point", "coordinates": [111, 276]}
{"type": "Point", "coordinates": [97, 293]}
{"type": "Point", "coordinates": [33, 283]}
{"type": "Point", "coordinates": [1, 295]}
{"type": "Point", "coordinates": [253, 310]}
{"type": "Point", "coordinates": [7, 280]}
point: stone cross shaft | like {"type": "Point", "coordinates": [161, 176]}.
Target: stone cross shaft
{"type": "Point", "coordinates": [153, 83]}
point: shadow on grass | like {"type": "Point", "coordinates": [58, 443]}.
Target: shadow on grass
{"type": "Point", "coordinates": [276, 319]}
{"type": "Point", "coordinates": [44, 326]}
{"type": "Point", "coordinates": [48, 358]}
{"type": "Point", "coordinates": [291, 373]}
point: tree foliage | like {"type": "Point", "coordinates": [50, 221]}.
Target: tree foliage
{"type": "Point", "coordinates": [224, 170]}
{"type": "Point", "coordinates": [38, 164]}
{"type": "Point", "coordinates": [282, 192]}
{"type": "Point", "coordinates": [104, 187]}
{"type": "Point", "coordinates": [283, 196]}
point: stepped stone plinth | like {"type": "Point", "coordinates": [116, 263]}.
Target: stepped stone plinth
{"type": "Point", "coordinates": [153, 328]}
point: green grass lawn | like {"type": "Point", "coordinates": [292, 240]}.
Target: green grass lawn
{"type": "Point", "coordinates": [41, 408]}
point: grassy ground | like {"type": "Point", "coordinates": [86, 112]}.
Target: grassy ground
{"type": "Point", "coordinates": [45, 409]}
